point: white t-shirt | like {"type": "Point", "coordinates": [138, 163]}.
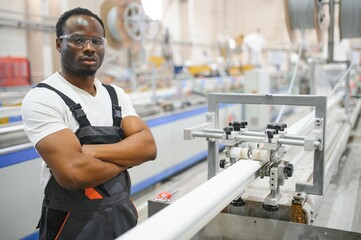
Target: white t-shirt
{"type": "Point", "coordinates": [44, 111]}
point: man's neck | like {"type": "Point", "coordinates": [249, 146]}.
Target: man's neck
{"type": "Point", "coordinates": [85, 82]}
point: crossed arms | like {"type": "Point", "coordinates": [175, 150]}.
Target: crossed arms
{"type": "Point", "coordinates": [77, 167]}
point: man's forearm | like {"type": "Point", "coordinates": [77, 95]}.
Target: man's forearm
{"type": "Point", "coordinates": [129, 152]}
{"type": "Point", "coordinates": [85, 171]}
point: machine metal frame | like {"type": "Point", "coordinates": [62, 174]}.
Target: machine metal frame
{"type": "Point", "coordinates": [320, 104]}
{"type": "Point", "coordinates": [232, 182]}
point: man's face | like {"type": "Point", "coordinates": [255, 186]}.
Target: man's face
{"type": "Point", "coordinates": [81, 60]}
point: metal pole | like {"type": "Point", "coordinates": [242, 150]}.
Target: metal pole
{"type": "Point", "coordinates": [331, 30]}
{"type": "Point", "coordinates": [347, 91]}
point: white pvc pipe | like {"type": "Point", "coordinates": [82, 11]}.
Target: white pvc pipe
{"type": "Point", "coordinates": [189, 214]}
{"type": "Point", "coordinates": [11, 128]}
{"type": "Point", "coordinates": [10, 111]}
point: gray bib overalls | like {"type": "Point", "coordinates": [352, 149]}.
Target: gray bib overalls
{"type": "Point", "coordinates": [103, 212]}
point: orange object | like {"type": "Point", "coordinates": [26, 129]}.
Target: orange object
{"type": "Point", "coordinates": [91, 193]}
{"type": "Point", "coordinates": [163, 196]}
{"type": "Point", "coordinates": [61, 228]}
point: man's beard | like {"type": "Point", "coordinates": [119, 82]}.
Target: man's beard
{"type": "Point", "coordinates": [87, 72]}
{"type": "Point", "coordinates": [83, 72]}
{"type": "Point", "coordinates": [80, 70]}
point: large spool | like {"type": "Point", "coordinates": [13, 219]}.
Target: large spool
{"type": "Point", "coordinates": [350, 19]}
{"type": "Point", "coordinates": [133, 18]}
{"type": "Point", "coordinates": [304, 14]}
{"type": "Point", "coordinates": [112, 13]}
{"type": "Point", "coordinates": [126, 24]}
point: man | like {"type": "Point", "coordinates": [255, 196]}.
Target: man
{"type": "Point", "coordinates": [87, 135]}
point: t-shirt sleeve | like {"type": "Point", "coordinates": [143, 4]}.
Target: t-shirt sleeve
{"type": "Point", "coordinates": [42, 114]}
{"type": "Point", "coordinates": [125, 103]}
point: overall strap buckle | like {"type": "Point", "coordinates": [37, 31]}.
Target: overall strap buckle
{"type": "Point", "coordinates": [79, 115]}
{"type": "Point", "coordinates": [117, 115]}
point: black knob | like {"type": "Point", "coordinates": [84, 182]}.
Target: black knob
{"type": "Point", "coordinates": [270, 208]}
{"type": "Point", "coordinates": [222, 163]}
{"type": "Point", "coordinates": [270, 132]}
{"type": "Point", "coordinates": [288, 169]}
{"type": "Point", "coordinates": [277, 126]}
{"type": "Point", "coordinates": [237, 125]}
{"type": "Point", "coordinates": [228, 131]}
{"type": "Point", "coordinates": [238, 202]}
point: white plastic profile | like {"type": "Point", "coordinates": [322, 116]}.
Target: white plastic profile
{"type": "Point", "coordinates": [189, 214]}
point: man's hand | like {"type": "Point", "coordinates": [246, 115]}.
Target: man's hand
{"type": "Point", "coordinates": [137, 147]}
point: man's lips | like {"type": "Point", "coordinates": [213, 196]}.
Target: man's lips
{"type": "Point", "coordinates": [89, 60]}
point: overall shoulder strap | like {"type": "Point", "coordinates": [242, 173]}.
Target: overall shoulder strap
{"type": "Point", "coordinates": [117, 110]}
{"type": "Point", "coordinates": [75, 108]}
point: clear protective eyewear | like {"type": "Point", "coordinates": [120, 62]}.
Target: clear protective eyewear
{"type": "Point", "coordinates": [80, 41]}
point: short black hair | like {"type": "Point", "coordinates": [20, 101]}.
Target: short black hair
{"type": "Point", "coordinates": [74, 12]}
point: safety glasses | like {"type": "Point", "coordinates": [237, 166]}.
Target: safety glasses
{"type": "Point", "coordinates": [80, 41]}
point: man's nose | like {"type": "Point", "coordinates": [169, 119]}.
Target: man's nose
{"type": "Point", "coordinates": [88, 45]}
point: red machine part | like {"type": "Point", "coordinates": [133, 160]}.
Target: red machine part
{"type": "Point", "coordinates": [163, 196]}
{"type": "Point", "coordinates": [14, 71]}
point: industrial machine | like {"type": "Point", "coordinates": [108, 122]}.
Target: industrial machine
{"type": "Point", "coordinates": [280, 173]}
{"type": "Point", "coordinates": [267, 147]}
{"type": "Point", "coordinates": [270, 183]}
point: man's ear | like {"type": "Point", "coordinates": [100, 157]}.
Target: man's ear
{"type": "Point", "coordinates": [58, 45]}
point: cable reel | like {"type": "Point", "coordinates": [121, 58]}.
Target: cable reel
{"type": "Point", "coordinates": [350, 19]}
{"type": "Point", "coordinates": [138, 24]}
{"type": "Point", "coordinates": [125, 22]}
{"type": "Point", "coordinates": [305, 14]}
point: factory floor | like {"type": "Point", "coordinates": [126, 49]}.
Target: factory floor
{"type": "Point", "coordinates": [340, 208]}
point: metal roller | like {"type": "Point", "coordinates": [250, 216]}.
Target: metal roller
{"type": "Point", "coordinates": [350, 19]}
{"type": "Point", "coordinates": [305, 14]}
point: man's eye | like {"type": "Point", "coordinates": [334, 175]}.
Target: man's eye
{"type": "Point", "coordinates": [97, 41]}
{"type": "Point", "coordinates": [79, 40]}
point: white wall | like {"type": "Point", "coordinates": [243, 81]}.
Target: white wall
{"type": "Point", "coordinates": [12, 41]}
